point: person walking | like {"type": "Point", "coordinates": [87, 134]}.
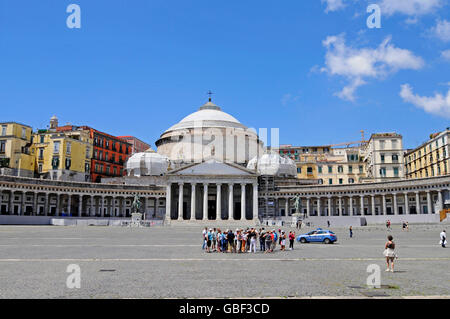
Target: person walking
{"type": "Point", "coordinates": [204, 232]}
{"type": "Point", "coordinates": [283, 241]}
{"type": "Point", "coordinates": [274, 237]}
{"type": "Point", "coordinates": [351, 231]}
{"type": "Point", "coordinates": [328, 222]}
{"type": "Point", "coordinates": [291, 240]}
{"type": "Point", "coordinates": [214, 240]}
{"type": "Point", "coordinates": [389, 253]}
{"type": "Point", "coordinates": [231, 243]}
{"type": "Point", "coordinates": [253, 235]}
{"type": "Point", "coordinates": [262, 240]}
{"type": "Point", "coordinates": [443, 241]}
{"type": "Point", "coordinates": [268, 243]}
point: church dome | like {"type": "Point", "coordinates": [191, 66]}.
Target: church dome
{"type": "Point", "coordinates": [209, 115]}
{"type": "Point", "coordinates": [147, 163]}
{"type": "Point", "coordinates": [273, 164]}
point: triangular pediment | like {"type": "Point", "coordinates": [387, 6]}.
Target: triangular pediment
{"type": "Point", "coordinates": [212, 167]}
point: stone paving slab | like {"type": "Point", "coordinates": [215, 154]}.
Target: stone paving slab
{"type": "Point", "coordinates": [167, 262]}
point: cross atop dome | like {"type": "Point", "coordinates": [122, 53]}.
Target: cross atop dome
{"type": "Point", "coordinates": [210, 93]}
{"type": "Point", "coordinates": [210, 105]}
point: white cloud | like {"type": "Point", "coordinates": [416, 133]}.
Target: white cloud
{"type": "Point", "coordinates": [358, 64]}
{"type": "Point", "coordinates": [442, 30]}
{"type": "Point", "coordinates": [289, 98]}
{"type": "Point", "coordinates": [333, 5]}
{"type": "Point", "coordinates": [446, 54]}
{"type": "Point", "coordinates": [409, 7]}
{"type": "Point", "coordinates": [437, 104]}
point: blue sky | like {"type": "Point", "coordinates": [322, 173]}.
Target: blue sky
{"type": "Point", "coordinates": [311, 68]}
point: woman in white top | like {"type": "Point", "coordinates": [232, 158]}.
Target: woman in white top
{"type": "Point", "coordinates": [390, 253]}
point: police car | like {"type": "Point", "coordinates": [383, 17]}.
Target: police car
{"type": "Point", "coordinates": [318, 235]}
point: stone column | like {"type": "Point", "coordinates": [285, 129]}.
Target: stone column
{"type": "Point", "coordinates": [205, 201]}
{"type": "Point", "coordinates": [308, 204]}
{"type": "Point", "coordinates": [329, 207]}
{"type": "Point", "coordinates": [440, 200]}
{"type": "Point", "coordinates": [318, 207]}
{"type": "Point", "coordinates": [230, 202]}
{"type": "Point", "coordinates": [350, 204]}
{"type": "Point", "coordinates": [255, 201]}
{"type": "Point", "coordinates": [394, 195]}
{"type": "Point", "coordinates": [418, 210]}
{"type": "Point", "coordinates": [156, 207]}
{"type": "Point", "coordinates": [219, 202]}
{"type": "Point", "coordinates": [57, 212]}
{"type": "Point", "coordinates": [80, 205]}
{"type": "Point", "coordinates": [429, 207]}
{"type": "Point", "coordinates": [168, 202]}
{"type": "Point", "coordinates": [286, 206]}
{"type": "Point", "coordinates": [361, 205]}
{"type": "Point", "coordinates": [193, 201]}
{"type": "Point", "coordinates": [340, 206]}
{"type": "Point", "coordinates": [243, 202]}
{"type": "Point", "coordinates": [384, 204]}
{"type": "Point", "coordinates": [22, 206]}
{"type": "Point", "coordinates": [406, 204]}
{"type": "Point", "coordinates": [102, 214]}
{"type": "Point", "coordinates": [35, 207]}
{"type": "Point", "coordinates": [373, 204]}
{"type": "Point", "coordinates": [46, 205]}
{"type": "Point", "coordinates": [92, 206]}
{"type": "Point", "coordinates": [124, 204]}
{"type": "Point", "coordinates": [113, 206]}
{"type": "Point", "coordinates": [69, 203]}
{"type": "Point", "coordinates": [180, 201]}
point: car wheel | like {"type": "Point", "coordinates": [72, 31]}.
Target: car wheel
{"type": "Point", "coordinates": [326, 241]}
{"type": "Point", "coordinates": [303, 240]}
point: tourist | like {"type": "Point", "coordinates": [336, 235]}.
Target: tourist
{"type": "Point", "coordinates": [291, 240]}
{"type": "Point", "coordinates": [205, 231]}
{"type": "Point", "coordinates": [407, 226]}
{"type": "Point", "coordinates": [283, 241]}
{"type": "Point", "coordinates": [388, 224]}
{"type": "Point", "coordinates": [268, 239]}
{"type": "Point", "coordinates": [253, 234]}
{"type": "Point", "coordinates": [244, 242]}
{"type": "Point", "coordinates": [231, 242]}
{"type": "Point", "coordinates": [274, 238]}
{"type": "Point", "coordinates": [389, 253]}
{"type": "Point", "coordinates": [225, 241]}
{"type": "Point", "coordinates": [443, 241]}
{"type": "Point", "coordinates": [214, 240]}
{"type": "Point", "coordinates": [328, 223]}
{"type": "Point", "coordinates": [351, 232]}
{"type": "Point", "coordinates": [262, 239]}
{"type": "Point", "coordinates": [403, 226]}
{"type": "Point", "coordinates": [219, 240]}
{"type": "Point", "coordinates": [209, 239]}
{"type": "Point", "coordinates": [238, 240]}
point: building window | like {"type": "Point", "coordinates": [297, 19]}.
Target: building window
{"type": "Point", "coordinates": [299, 170]}
{"type": "Point", "coordinates": [106, 156]}
{"type": "Point", "coordinates": [42, 138]}
{"type": "Point", "coordinates": [340, 169]}
{"type": "Point", "coordinates": [351, 180]}
{"type": "Point", "coordinates": [41, 153]}
{"type": "Point", "coordinates": [24, 133]}
{"type": "Point", "coordinates": [382, 158]}
{"type": "Point", "coordinates": [396, 171]}
{"type": "Point", "coordinates": [309, 170]}
{"type": "Point", "coordinates": [341, 181]}
{"type": "Point", "coordinates": [383, 171]}
{"type": "Point", "coordinates": [68, 147]}
{"type": "Point", "coordinates": [394, 144]}
{"type": "Point", "coordinates": [350, 169]}
{"type": "Point", "coordinates": [114, 170]}
{"type": "Point", "coordinates": [88, 150]}
{"type": "Point", "coordinates": [381, 144]}
{"type": "Point", "coordinates": [2, 146]}
{"type": "Point", "coordinates": [40, 168]}
{"type": "Point", "coordinates": [394, 158]}
{"type": "Point", "coordinates": [330, 181]}
{"type": "Point", "coordinates": [4, 130]}
{"type": "Point", "coordinates": [56, 147]}
{"type": "Point", "coordinates": [68, 163]}
{"type": "Point", "coordinates": [360, 169]}
{"type": "Point", "coordinates": [320, 169]}
{"type": "Point", "coordinates": [330, 169]}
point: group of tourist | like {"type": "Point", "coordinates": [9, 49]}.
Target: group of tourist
{"type": "Point", "coordinates": [243, 241]}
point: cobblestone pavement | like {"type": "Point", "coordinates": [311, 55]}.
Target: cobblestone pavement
{"type": "Point", "coordinates": [168, 262]}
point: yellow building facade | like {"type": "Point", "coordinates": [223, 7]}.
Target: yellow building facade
{"type": "Point", "coordinates": [15, 150]}
{"type": "Point", "coordinates": [429, 159]}
{"type": "Point", "coordinates": [63, 155]}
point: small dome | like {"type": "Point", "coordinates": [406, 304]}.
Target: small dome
{"type": "Point", "coordinates": [147, 163]}
{"type": "Point", "coordinates": [273, 164]}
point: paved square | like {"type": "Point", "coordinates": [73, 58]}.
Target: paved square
{"type": "Point", "coordinates": [120, 262]}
